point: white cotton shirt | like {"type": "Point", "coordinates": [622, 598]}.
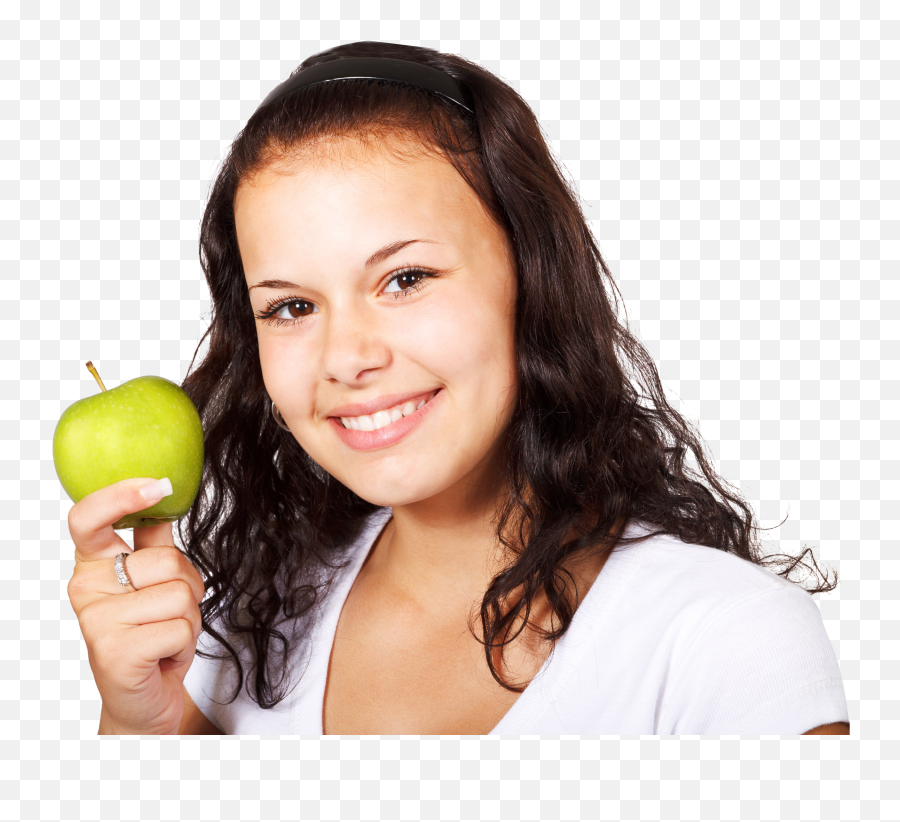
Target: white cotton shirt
{"type": "Point", "coordinates": [671, 638]}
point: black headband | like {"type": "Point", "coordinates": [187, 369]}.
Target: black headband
{"type": "Point", "coordinates": [374, 68]}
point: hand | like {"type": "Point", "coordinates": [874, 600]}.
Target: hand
{"type": "Point", "coordinates": [141, 638]}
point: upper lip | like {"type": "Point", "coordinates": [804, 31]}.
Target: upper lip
{"type": "Point", "coordinates": [378, 404]}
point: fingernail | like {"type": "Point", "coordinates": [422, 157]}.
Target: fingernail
{"type": "Point", "coordinates": [157, 489]}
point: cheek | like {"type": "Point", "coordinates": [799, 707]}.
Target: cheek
{"type": "Point", "coordinates": [270, 357]}
{"type": "Point", "coordinates": [278, 359]}
{"type": "Point", "coordinates": [467, 343]}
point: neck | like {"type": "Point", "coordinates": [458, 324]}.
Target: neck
{"type": "Point", "coordinates": [443, 549]}
{"type": "Point", "coordinates": [442, 553]}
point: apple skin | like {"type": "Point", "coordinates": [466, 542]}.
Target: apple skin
{"type": "Point", "coordinates": [146, 427]}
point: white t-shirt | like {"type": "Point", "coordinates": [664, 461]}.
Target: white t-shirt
{"type": "Point", "coordinates": [671, 638]}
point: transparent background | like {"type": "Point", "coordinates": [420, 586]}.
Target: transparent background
{"type": "Point", "coordinates": [739, 167]}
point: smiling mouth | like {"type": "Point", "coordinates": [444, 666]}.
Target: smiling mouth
{"type": "Point", "coordinates": [386, 417]}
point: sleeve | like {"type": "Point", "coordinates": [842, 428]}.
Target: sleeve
{"type": "Point", "coordinates": [764, 665]}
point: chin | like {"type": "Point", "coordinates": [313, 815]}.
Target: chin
{"type": "Point", "coordinates": [393, 486]}
{"type": "Point", "coordinates": [392, 497]}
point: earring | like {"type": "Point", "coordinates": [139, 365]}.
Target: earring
{"type": "Point", "coordinates": [278, 418]}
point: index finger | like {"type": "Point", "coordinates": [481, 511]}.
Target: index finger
{"type": "Point", "coordinates": [154, 535]}
{"type": "Point", "coordinates": [91, 519]}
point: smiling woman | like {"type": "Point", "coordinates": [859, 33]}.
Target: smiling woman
{"type": "Point", "coordinates": [434, 497]}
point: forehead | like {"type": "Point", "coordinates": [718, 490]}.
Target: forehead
{"type": "Point", "coordinates": [352, 192]}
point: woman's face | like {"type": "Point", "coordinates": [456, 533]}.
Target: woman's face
{"type": "Point", "coordinates": [324, 243]}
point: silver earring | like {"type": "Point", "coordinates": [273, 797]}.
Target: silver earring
{"type": "Point", "coordinates": [278, 418]}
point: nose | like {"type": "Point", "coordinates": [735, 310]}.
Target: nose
{"type": "Point", "coordinates": [353, 342]}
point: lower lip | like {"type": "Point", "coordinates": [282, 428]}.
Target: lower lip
{"type": "Point", "coordinates": [390, 434]}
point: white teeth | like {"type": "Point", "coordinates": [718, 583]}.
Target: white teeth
{"type": "Point", "coordinates": [382, 418]}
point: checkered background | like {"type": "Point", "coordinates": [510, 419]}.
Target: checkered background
{"type": "Point", "coordinates": [740, 175]}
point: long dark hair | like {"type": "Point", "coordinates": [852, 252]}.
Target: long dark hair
{"type": "Point", "coordinates": [592, 442]}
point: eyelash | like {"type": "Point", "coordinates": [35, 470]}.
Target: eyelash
{"type": "Point", "coordinates": [275, 306]}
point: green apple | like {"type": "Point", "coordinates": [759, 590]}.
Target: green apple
{"type": "Point", "coordinates": [147, 427]}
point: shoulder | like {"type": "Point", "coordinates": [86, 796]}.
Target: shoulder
{"type": "Point", "coordinates": [745, 650]}
{"type": "Point", "coordinates": [702, 567]}
{"type": "Point", "coordinates": [688, 588]}
{"type": "Point", "coordinates": [706, 594]}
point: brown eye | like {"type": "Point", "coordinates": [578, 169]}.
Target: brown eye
{"type": "Point", "coordinates": [294, 309]}
{"type": "Point", "coordinates": [410, 280]}
{"type": "Point", "coordinates": [285, 311]}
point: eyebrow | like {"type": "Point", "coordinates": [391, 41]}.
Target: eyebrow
{"type": "Point", "coordinates": [379, 256]}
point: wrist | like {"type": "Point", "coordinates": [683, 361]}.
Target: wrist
{"type": "Point", "coordinates": [108, 727]}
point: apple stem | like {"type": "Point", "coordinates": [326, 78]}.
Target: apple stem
{"type": "Point", "coordinates": [90, 367]}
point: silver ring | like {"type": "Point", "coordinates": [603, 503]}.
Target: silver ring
{"type": "Point", "coordinates": [121, 573]}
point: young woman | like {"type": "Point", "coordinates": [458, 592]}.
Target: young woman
{"type": "Point", "coordinates": [434, 501]}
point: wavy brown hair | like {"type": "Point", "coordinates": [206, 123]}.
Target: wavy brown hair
{"type": "Point", "coordinates": [592, 442]}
